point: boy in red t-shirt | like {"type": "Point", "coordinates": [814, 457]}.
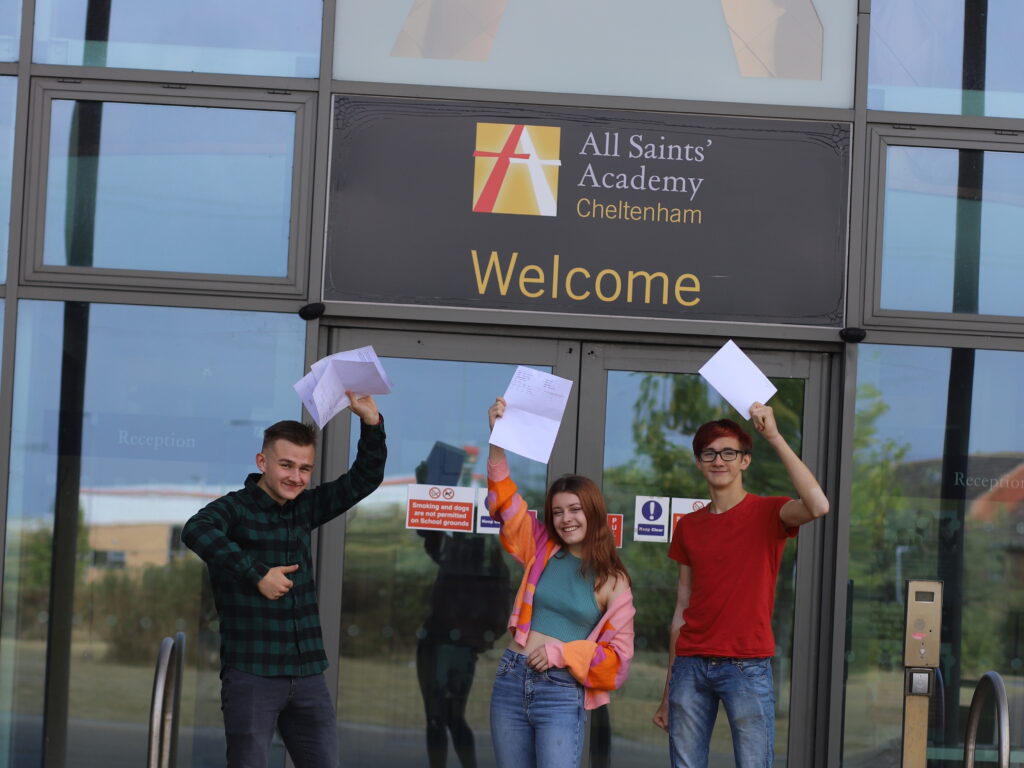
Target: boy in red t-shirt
{"type": "Point", "coordinates": [729, 552]}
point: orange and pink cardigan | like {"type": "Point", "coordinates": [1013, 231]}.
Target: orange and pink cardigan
{"type": "Point", "coordinates": [601, 662]}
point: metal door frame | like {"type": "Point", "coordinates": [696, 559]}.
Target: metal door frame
{"type": "Point", "coordinates": [580, 448]}
{"type": "Point", "coordinates": [810, 682]}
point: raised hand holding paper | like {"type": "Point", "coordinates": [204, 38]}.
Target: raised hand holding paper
{"type": "Point", "coordinates": [735, 377]}
{"type": "Point", "coordinates": [535, 402]}
{"type": "Point", "coordinates": [322, 390]}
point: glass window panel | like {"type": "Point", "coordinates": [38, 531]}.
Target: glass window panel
{"type": "Point", "coordinates": [10, 29]}
{"type": "Point", "coordinates": [170, 404]}
{"type": "Point", "coordinates": [953, 231]}
{"type": "Point", "coordinates": [756, 51]}
{"type": "Point", "coordinates": [158, 187]}
{"type": "Point", "coordinates": [937, 493]}
{"type": "Point", "coordinates": [250, 37]}
{"type": "Point", "coordinates": [423, 613]}
{"type": "Point", "coordinates": [650, 420]}
{"type": "Point", "coordinates": [946, 57]}
{"type": "Point", "coordinates": [8, 97]}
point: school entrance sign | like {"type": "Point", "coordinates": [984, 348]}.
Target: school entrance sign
{"type": "Point", "coordinates": [586, 211]}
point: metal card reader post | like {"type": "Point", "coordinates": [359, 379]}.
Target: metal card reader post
{"type": "Point", "coordinates": [921, 650]}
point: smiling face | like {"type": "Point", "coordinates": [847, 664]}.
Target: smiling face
{"type": "Point", "coordinates": [569, 519]}
{"type": "Point", "coordinates": [722, 474]}
{"type": "Point", "coordinates": [286, 469]}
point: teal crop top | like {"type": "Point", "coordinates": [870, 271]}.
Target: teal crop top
{"type": "Point", "coordinates": [563, 605]}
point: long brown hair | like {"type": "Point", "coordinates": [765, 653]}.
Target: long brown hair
{"type": "Point", "coordinates": [598, 549]}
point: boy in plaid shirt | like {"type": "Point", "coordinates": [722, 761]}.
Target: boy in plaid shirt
{"type": "Point", "coordinates": [256, 544]}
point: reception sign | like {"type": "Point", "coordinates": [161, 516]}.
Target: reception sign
{"type": "Point", "coordinates": [584, 211]}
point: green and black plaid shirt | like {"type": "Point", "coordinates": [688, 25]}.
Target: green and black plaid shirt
{"type": "Point", "coordinates": [244, 534]}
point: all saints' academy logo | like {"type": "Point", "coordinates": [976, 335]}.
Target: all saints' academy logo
{"type": "Point", "coordinates": [516, 169]}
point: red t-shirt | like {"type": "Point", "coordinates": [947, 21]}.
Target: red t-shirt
{"type": "Point", "coordinates": [734, 559]}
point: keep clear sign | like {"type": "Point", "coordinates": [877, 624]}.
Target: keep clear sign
{"type": "Point", "coordinates": [440, 508]}
{"type": "Point", "coordinates": [651, 519]}
{"type": "Point", "coordinates": [484, 522]}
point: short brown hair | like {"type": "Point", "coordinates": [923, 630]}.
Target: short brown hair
{"type": "Point", "coordinates": [293, 431]}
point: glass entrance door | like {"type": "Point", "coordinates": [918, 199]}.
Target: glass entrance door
{"type": "Point", "coordinates": [642, 406]}
{"type": "Point", "coordinates": [418, 616]}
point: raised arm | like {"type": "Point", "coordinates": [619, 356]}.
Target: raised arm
{"type": "Point", "coordinates": [683, 589]}
{"type": "Point", "coordinates": [364, 407]}
{"type": "Point", "coordinates": [496, 454]}
{"type": "Point", "coordinates": [332, 498]}
{"type": "Point", "coordinates": [811, 502]}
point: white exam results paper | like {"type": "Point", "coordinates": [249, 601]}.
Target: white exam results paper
{"type": "Point", "coordinates": [322, 390]}
{"type": "Point", "coordinates": [535, 402]}
{"type": "Point", "coordinates": [736, 378]}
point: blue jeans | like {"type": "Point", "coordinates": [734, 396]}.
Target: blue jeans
{"type": "Point", "coordinates": [745, 688]}
{"type": "Point", "coordinates": [300, 707]}
{"type": "Point", "coordinates": [537, 718]}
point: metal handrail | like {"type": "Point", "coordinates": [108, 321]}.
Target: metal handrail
{"type": "Point", "coordinates": [161, 751]}
{"type": "Point", "coordinates": [990, 682]}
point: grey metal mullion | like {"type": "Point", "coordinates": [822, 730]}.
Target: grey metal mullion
{"type": "Point", "coordinates": [10, 308]}
{"type": "Point", "coordinates": [153, 296]}
{"type": "Point", "coordinates": [856, 253]}
{"type": "Point", "coordinates": [873, 221]}
{"type": "Point", "coordinates": [813, 581]}
{"type": "Point", "coordinates": [10, 314]}
{"type": "Point", "coordinates": [565, 454]}
{"type": "Point", "coordinates": [841, 514]}
{"type": "Point", "coordinates": [330, 538]}
{"type": "Point", "coordinates": [596, 101]}
{"type": "Point", "coordinates": [251, 96]}
{"type": "Point", "coordinates": [925, 119]}
{"type": "Point", "coordinates": [174, 77]}
{"type": "Point", "coordinates": [28, 11]}
{"type": "Point", "coordinates": [579, 325]}
{"type": "Point", "coordinates": [300, 236]}
{"type": "Point", "coordinates": [593, 396]}
{"type": "Point", "coordinates": [320, 157]}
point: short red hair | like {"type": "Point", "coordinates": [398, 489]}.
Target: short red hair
{"type": "Point", "coordinates": [713, 430]}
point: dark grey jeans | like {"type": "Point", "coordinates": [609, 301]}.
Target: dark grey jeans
{"type": "Point", "coordinates": [299, 707]}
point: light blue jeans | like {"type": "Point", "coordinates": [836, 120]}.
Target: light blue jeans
{"type": "Point", "coordinates": [537, 718]}
{"type": "Point", "coordinates": [745, 688]}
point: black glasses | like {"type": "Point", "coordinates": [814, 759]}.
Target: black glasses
{"type": "Point", "coordinates": [727, 454]}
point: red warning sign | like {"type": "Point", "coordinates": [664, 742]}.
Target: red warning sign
{"type": "Point", "coordinates": [440, 508]}
{"type": "Point", "coordinates": [615, 523]}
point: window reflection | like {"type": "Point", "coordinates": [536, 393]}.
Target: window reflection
{"type": "Point", "coordinates": [777, 38]}
{"type": "Point", "coordinates": [969, 259]}
{"type": "Point", "coordinates": [256, 37]}
{"type": "Point", "coordinates": [756, 51]}
{"type": "Point", "coordinates": [938, 493]}
{"type": "Point", "coordinates": [157, 187]}
{"type": "Point", "coordinates": [946, 57]}
{"type": "Point", "coordinates": [10, 28]}
{"type": "Point", "coordinates": [166, 408]}
{"type": "Point", "coordinates": [423, 613]}
{"type": "Point", "coordinates": [8, 88]}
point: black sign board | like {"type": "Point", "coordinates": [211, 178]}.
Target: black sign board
{"type": "Point", "coordinates": [600, 212]}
